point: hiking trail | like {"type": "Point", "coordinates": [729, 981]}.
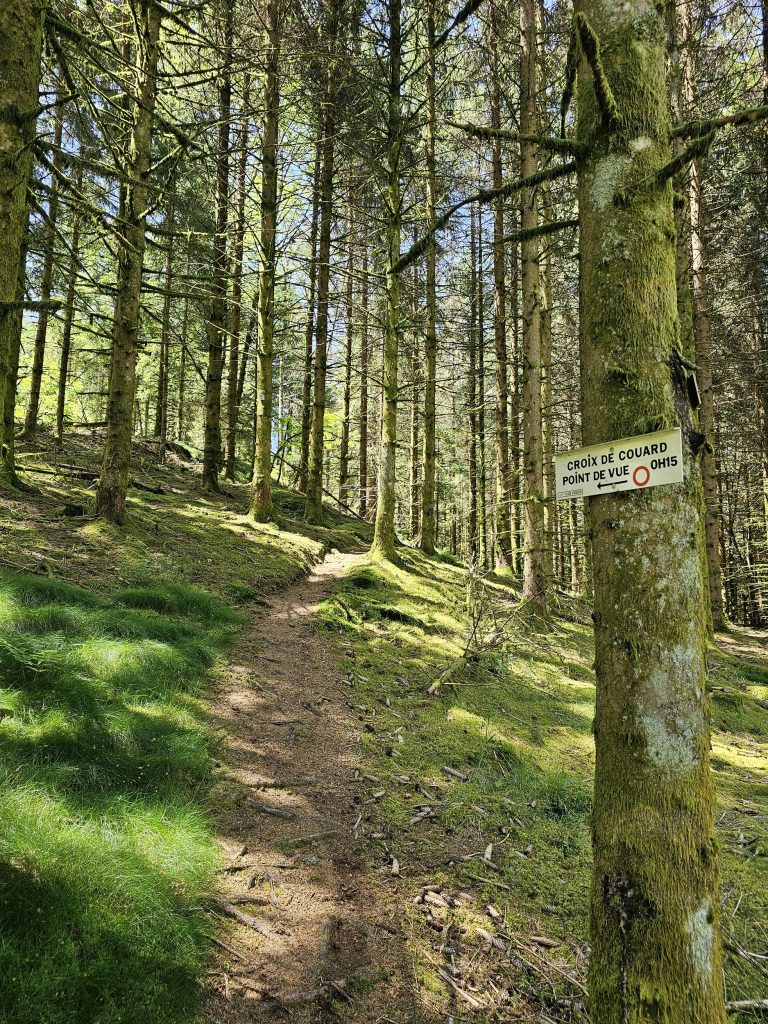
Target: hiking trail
{"type": "Point", "coordinates": [323, 928]}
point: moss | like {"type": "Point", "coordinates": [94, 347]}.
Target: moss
{"type": "Point", "coordinates": [519, 727]}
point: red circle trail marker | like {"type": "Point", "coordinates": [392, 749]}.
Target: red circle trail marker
{"type": "Point", "coordinates": [637, 474]}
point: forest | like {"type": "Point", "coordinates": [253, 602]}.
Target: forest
{"type": "Point", "coordinates": [383, 511]}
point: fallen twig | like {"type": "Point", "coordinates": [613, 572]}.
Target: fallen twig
{"type": "Point", "coordinates": [246, 919]}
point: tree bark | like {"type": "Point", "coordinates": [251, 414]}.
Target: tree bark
{"type": "Point", "coordinates": [482, 484]}
{"type": "Point", "coordinates": [261, 497]}
{"type": "Point", "coordinates": [236, 312]}
{"type": "Point", "coordinates": [702, 331]}
{"type": "Point", "coordinates": [384, 539]}
{"type": "Point", "coordinates": [21, 32]}
{"type": "Point", "coordinates": [347, 390]}
{"type": "Point", "coordinates": [46, 280]}
{"type": "Point", "coordinates": [534, 575]}
{"type": "Point", "coordinates": [309, 333]}
{"type": "Point", "coordinates": [113, 485]}
{"type": "Point", "coordinates": [503, 482]}
{"type": "Point", "coordinates": [362, 458]}
{"type": "Point", "coordinates": [428, 535]}
{"type": "Point", "coordinates": [472, 392]}
{"type": "Point", "coordinates": [313, 511]}
{"type": "Point", "coordinates": [13, 325]}
{"type": "Point", "coordinates": [655, 908]}
{"type": "Point", "coordinates": [69, 314]}
{"type": "Point", "coordinates": [217, 324]}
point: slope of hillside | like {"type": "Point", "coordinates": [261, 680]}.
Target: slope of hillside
{"type": "Point", "coordinates": [109, 640]}
{"type": "Point", "coordinates": [411, 760]}
{"type": "Point", "coordinates": [476, 794]}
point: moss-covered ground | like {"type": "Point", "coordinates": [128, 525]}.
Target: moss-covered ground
{"type": "Point", "coordinates": [108, 642]}
{"type": "Point", "coordinates": [505, 840]}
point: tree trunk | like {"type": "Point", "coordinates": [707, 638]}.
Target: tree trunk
{"type": "Point", "coordinates": [161, 412]}
{"type": "Point", "coordinates": [236, 313]}
{"type": "Point", "coordinates": [552, 531]}
{"type": "Point", "coordinates": [306, 399]}
{"type": "Point", "coordinates": [21, 31]}
{"type": "Point", "coordinates": [429, 476]}
{"type": "Point", "coordinates": [655, 908]}
{"type": "Point", "coordinates": [384, 539]}
{"type": "Point", "coordinates": [482, 484]}
{"type": "Point", "coordinates": [534, 575]}
{"type": "Point", "coordinates": [13, 325]}
{"type": "Point", "coordinates": [46, 281]}
{"type": "Point", "coordinates": [69, 314]}
{"type": "Point", "coordinates": [261, 498]}
{"type": "Point", "coordinates": [217, 324]}
{"type": "Point", "coordinates": [702, 335]}
{"type": "Point", "coordinates": [415, 440]}
{"type": "Point", "coordinates": [113, 485]}
{"type": "Point", "coordinates": [181, 415]}
{"type": "Point", "coordinates": [503, 481]}
{"type": "Point", "coordinates": [472, 391]}
{"type": "Point", "coordinates": [362, 459]}
{"type": "Point", "coordinates": [347, 392]}
{"type": "Point", "coordinates": [313, 511]}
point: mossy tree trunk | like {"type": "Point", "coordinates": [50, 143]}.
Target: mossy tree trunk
{"type": "Point", "coordinates": [69, 314]}
{"type": "Point", "coordinates": [362, 453]}
{"type": "Point", "coordinates": [113, 485]}
{"type": "Point", "coordinates": [472, 393]}
{"type": "Point", "coordinates": [503, 472]}
{"type": "Point", "coordinates": [655, 927]}
{"type": "Point", "coordinates": [693, 289]}
{"type": "Point", "coordinates": [12, 326]}
{"type": "Point", "coordinates": [428, 530]}
{"type": "Point", "coordinates": [236, 312]}
{"type": "Point", "coordinates": [21, 33]}
{"type": "Point", "coordinates": [702, 332]}
{"type": "Point", "coordinates": [415, 439]}
{"type": "Point", "coordinates": [261, 495]}
{"type": "Point", "coordinates": [313, 511]}
{"type": "Point", "coordinates": [309, 330]}
{"type": "Point", "coordinates": [346, 406]}
{"type": "Point", "coordinates": [482, 474]}
{"type": "Point", "coordinates": [217, 323]}
{"type": "Point", "coordinates": [762, 382]}
{"type": "Point", "coordinates": [46, 280]}
{"type": "Point", "coordinates": [384, 539]}
{"type": "Point", "coordinates": [534, 574]}
{"type": "Point", "coordinates": [161, 407]}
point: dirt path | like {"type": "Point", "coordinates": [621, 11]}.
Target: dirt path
{"type": "Point", "coordinates": [328, 944]}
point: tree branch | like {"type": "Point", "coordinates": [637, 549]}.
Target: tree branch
{"type": "Point", "coordinates": [540, 231]}
{"type": "Point", "coordinates": [590, 47]}
{"type": "Point", "coordinates": [703, 126]}
{"type": "Point", "coordinates": [553, 145]}
{"type": "Point", "coordinates": [485, 195]}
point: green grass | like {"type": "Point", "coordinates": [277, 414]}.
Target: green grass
{"type": "Point", "coordinates": [107, 852]}
{"type": "Point", "coordinates": [517, 722]}
{"type": "Point", "coordinates": [105, 847]}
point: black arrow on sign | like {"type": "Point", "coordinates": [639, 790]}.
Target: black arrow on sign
{"type": "Point", "coordinates": [612, 483]}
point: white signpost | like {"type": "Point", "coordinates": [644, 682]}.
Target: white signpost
{"type": "Point", "coordinates": [629, 464]}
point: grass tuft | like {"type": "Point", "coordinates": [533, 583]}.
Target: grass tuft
{"type": "Point", "coordinates": [105, 849]}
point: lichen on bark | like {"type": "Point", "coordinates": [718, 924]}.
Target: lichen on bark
{"type": "Point", "coordinates": [654, 908]}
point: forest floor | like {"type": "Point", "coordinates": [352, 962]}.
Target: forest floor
{"type": "Point", "coordinates": [332, 791]}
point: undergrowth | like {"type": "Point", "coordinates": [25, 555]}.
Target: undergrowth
{"type": "Point", "coordinates": [512, 715]}
{"type": "Point", "coordinates": [105, 849]}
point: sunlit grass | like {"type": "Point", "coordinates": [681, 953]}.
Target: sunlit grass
{"type": "Point", "coordinates": [519, 726]}
{"type": "Point", "coordinates": [106, 852]}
